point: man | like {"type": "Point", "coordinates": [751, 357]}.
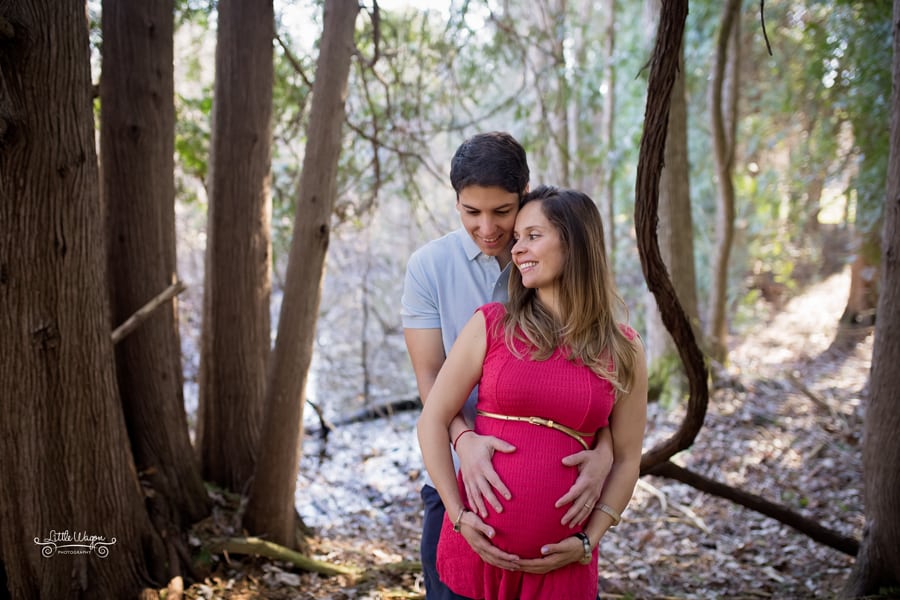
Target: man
{"type": "Point", "coordinates": [446, 280]}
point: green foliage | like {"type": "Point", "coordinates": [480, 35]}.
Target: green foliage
{"type": "Point", "coordinates": [192, 133]}
{"type": "Point", "coordinates": [858, 52]}
{"type": "Point", "coordinates": [197, 12]}
{"type": "Point", "coordinates": [666, 381]}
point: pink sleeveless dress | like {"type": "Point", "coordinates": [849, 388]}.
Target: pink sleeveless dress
{"type": "Point", "coordinates": [557, 389]}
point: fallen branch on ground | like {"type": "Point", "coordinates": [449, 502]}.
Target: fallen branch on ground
{"type": "Point", "coordinates": [782, 514]}
{"type": "Point", "coordinates": [259, 547]}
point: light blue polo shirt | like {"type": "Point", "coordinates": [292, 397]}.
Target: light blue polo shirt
{"type": "Point", "coordinates": [446, 280]}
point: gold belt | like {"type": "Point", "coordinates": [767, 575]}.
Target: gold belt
{"type": "Point", "coordinates": [577, 435]}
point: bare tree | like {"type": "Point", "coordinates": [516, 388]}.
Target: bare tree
{"type": "Point", "coordinates": [236, 335]}
{"type": "Point", "coordinates": [878, 562]}
{"type": "Point", "coordinates": [608, 194]}
{"type": "Point", "coordinates": [723, 92]}
{"type": "Point", "coordinates": [66, 469]}
{"type": "Point", "coordinates": [270, 509]}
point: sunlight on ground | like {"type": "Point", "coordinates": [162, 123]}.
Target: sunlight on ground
{"type": "Point", "coordinates": [812, 315]}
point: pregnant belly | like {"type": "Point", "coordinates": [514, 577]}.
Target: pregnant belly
{"type": "Point", "coordinates": [536, 479]}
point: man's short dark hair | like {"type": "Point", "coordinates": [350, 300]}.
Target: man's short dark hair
{"type": "Point", "coordinates": [493, 159]}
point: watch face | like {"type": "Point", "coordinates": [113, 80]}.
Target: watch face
{"type": "Point", "coordinates": [586, 542]}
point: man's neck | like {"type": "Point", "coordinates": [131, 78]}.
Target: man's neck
{"type": "Point", "coordinates": [503, 259]}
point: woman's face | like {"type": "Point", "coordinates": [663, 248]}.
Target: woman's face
{"type": "Point", "coordinates": [538, 251]}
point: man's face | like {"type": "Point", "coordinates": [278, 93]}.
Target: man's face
{"type": "Point", "coordinates": [489, 215]}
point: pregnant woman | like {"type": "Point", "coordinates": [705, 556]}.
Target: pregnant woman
{"type": "Point", "coordinates": [554, 366]}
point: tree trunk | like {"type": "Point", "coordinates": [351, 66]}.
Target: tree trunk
{"type": "Point", "coordinates": [878, 562]}
{"type": "Point", "coordinates": [236, 335]}
{"type": "Point", "coordinates": [863, 296]}
{"type": "Point", "coordinates": [270, 509]}
{"type": "Point", "coordinates": [66, 469]}
{"type": "Point", "coordinates": [137, 150]}
{"type": "Point", "coordinates": [608, 128]}
{"type": "Point", "coordinates": [723, 107]}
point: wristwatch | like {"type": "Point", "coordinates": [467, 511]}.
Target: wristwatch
{"type": "Point", "coordinates": [586, 542]}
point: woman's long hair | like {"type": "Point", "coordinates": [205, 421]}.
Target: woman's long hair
{"type": "Point", "coordinates": [588, 329]}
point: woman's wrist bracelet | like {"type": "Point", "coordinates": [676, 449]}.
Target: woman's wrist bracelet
{"type": "Point", "coordinates": [613, 513]}
{"type": "Point", "coordinates": [459, 435]}
{"type": "Point", "coordinates": [458, 522]}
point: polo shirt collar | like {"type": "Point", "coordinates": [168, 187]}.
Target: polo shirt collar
{"type": "Point", "coordinates": [471, 248]}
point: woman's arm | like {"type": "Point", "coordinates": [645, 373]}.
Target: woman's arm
{"type": "Point", "coordinates": [627, 423]}
{"type": "Point", "coordinates": [459, 374]}
{"type": "Point", "coordinates": [426, 352]}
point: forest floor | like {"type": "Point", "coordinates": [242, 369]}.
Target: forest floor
{"type": "Point", "coordinates": [784, 424]}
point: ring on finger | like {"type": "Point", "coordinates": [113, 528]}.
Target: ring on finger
{"type": "Point", "coordinates": [589, 505]}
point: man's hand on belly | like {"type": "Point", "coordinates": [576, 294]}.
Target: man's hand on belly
{"type": "Point", "coordinates": [593, 468]}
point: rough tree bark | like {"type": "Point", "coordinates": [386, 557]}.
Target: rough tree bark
{"type": "Point", "coordinates": [878, 562]}
{"type": "Point", "coordinates": [270, 509]}
{"type": "Point", "coordinates": [675, 232]}
{"type": "Point", "coordinates": [137, 128]}
{"type": "Point", "coordinates": [723, 109]}
{"type": "Point", "coordinates": [663, 71]}
{"type": "Point", "coordinates": [236, 335]}
{"type": "Point", "coordinates": [66, 469]}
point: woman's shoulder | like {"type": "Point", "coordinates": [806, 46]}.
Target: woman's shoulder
{"type": "Point", "coordinates": [493, 320]}
{"type": "Point", "coordinates": [493, 310]}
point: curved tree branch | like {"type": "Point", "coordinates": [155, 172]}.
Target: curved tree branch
{"type": "Point", "coordinates": [663, 70]}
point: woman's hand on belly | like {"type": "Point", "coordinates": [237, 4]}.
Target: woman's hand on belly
{"type": "Point", "coordinates": [555, 556]}
{"type": "Point", "coordinates": [478, 534]}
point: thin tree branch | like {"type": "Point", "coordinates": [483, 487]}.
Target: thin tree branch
{"type": "Point", "coordinates": [293, 60]}
{"type": "Point", "coordinates": [143, 312]}
{"type": "Point", "coordinates": [762, 20]}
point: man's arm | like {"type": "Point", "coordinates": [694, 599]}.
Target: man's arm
{"type": "Point", "coordinates": [426, 351]}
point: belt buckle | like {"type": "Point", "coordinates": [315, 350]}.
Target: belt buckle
{"type": "Point", "coordinates": [535, 420]}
